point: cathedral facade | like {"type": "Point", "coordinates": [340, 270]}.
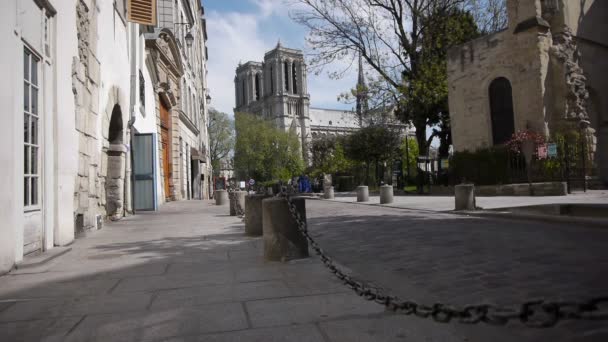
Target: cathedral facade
{"type": "Point", "coordinates": [276, 90]}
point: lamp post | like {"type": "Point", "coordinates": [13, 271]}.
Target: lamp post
{"type": "Point", "coordinates": [189, 38]}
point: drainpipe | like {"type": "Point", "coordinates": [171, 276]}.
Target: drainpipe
{"type": "Point", "coordinates": [133, 57]}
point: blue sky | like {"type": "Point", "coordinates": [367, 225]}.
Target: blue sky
{"type": "Point", "coordinates": [243, 30]}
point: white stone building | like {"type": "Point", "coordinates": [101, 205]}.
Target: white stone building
{"type": "Point", "coordinates": [277, 90]}
{"type": "Point", "coordinates": [79, 84]}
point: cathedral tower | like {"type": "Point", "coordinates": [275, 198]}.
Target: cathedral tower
{"type": "Point", "coordinates": [277, 90]}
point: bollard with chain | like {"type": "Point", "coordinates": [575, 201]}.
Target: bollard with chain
{"type": "Point", "coordinates": [532, 313]}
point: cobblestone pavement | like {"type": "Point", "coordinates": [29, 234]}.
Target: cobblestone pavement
{"type": "Point", "coordinates": [459, 260]}
{"type": "Point", "coordinates": [446, 203]}
{"type": "Point", "coordinates": [188, 273]}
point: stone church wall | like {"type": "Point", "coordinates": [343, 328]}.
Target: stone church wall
{"type": "Point", "coordinates": [474, 65]}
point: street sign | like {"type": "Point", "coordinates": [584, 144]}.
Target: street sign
{"type": "Point", "coordinates": [552, 150]}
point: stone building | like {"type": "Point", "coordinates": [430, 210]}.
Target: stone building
{"type": "Point", "coordinates": [82, 83]}
{"type": "Point", "coordinates": [276, 90]}
{"type": "Point", "coordinates": [546, 71]}
{"type": "Point", "coordinates": [179, 58]}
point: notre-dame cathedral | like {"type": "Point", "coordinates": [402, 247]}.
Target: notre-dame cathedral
{"type": "Point", "coordinates": [276, 89]}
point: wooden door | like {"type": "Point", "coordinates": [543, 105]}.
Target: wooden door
{"type": "Point", "coordinates": [165, 123]}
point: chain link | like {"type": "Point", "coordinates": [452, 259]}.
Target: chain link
{"type": "Point", "coordinates": [535, 313]}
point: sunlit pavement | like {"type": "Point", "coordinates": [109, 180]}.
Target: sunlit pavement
{"type": "Point", "coordinates": [446, 203]}
{"type": "Point", "coordinates": [188, 273]}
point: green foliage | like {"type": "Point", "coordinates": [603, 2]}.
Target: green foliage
{"type": "Point", "coordinates": [328, 156]}
{"type": "Point", "coordinates": [372, 143]}
{"type": "Point", "coordinates": [409, 152]}
{"type": "Point", "coordinates": [263, 152]}
{"type": "Point", "coordinates": [425, 100]}
{"type": "Point", "coordinates": [375, 144]}
{"type": "Point", "coordinates": [221, 137]}
{"type": "Point", "coordinates": [486, 166]}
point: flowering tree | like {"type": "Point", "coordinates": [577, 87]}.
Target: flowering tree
{"type": "Point", "coordinates": [523, 138]}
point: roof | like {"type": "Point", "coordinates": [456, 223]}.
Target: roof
{"type": "Point", "coordinates": [333, 118]}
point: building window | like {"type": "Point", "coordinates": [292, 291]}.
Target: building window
{"type": "Point", "coordinates": [47, 36]}
{"type": "Point", "coordinates": [271, 80]}
{"type": "Point", "coordinates": [501, 110]}
{"type": "Point", "coordinates": [31, 148]}
{"type": "Point", "coordinates": [142, 89]}
{"type": "Point", "coordinates": [257, 87]}
{"type": "Point", "coordinates": [286, 78]}
{"type": "Point", "coordinates": [244, 96]}
{"type": "Point", "coordinates": [294, 78]}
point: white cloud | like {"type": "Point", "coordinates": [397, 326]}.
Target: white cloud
{"type": "Point", "coordinates": [238, 37]}
{"type": "Point", "coordinates": [233, 38]}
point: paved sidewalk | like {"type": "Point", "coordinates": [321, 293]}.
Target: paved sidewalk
{"type": "Point", "coordinates": [188, 273]}
{"type": "Point", "coordinates": [446, 203]}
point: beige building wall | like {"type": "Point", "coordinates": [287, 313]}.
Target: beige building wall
{"type": "Point", "coordinates": [525, 53]}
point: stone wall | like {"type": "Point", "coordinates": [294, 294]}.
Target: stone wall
{"type": "Point", "coordinates": [85, 85]}
{"type": "Point", "coordinates": [474, 65]}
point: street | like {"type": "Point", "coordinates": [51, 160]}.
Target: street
{"type": "Point", "coordinates": [188, 273]}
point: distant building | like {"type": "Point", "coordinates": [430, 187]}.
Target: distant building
{"type": "Point", "coordinates": [277, 90]}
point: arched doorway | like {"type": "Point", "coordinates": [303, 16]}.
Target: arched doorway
{"type": "Point", "coordinates": [501, 110]}
{"type": "Point", "coordinates": [115, 175]}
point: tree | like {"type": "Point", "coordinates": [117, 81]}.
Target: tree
{"type": "Point", "coordinates": [409, 153]}
{"type": "Point", "coordinates": [221, 137]}
{"type": "Point", "coordinates": [263, 152]}
{"type": "Point", "coordinates": [328, 155]}
{"type": "Point", "coordinates": [372, 144]}
{"type": "Point", "coordinates": [490, 15]}
{"type": "Point", "coordinates": [390, 36]}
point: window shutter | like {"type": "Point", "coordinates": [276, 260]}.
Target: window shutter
{"type": "Point", "coordinates": [142, 12]}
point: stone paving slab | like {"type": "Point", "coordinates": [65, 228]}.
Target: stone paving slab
{"type": "Point", "coordinates": [158, 325]}
{"type": "Point", "coordinates": [188, 273]}
{"type": "Point", "coordinates": [194, 296]}
{"type": "Point", "coordinates": [307, 309]}
{"type": "Point", "coordinates": [300, 333]}
{"type": "Point", "coordinates": [47, 330]}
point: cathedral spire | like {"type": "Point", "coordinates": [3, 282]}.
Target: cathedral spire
{"type": "Point", "coordinates": [361, 93]}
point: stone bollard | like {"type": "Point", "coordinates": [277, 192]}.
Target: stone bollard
{"type": "Point", "coordinates": [221, 197]}
{"type": "Point", "coordinates": [237, 198]}
{"type": "Point", "coordinates": [328, 192]}
{"type": "Point", "coordinates": [362, 193]}
{"type": "Point", "coordinates": [464, 196]}
{"type": "Point", "coordinates": [253, 214]}
{"type": "Point", "coordinates": [282, 239]}
{"type": "Point", "coordinates": [386, 194]}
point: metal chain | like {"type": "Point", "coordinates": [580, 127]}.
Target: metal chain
{"type": "Point", "coordinates": [534, 313]}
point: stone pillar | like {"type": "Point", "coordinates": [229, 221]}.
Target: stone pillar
{"type": "Point", "coordinates": [253, 214]}
{"type": "Point", "coordinates": [221, 197]}
{"type": "Point", "coordinates": [289, 75]}
{"type": "Point", "coordinates": [278, 83]}
{"type": "Point", "coordinates": [329, 192]}
{"type": "Point", "coordinates": [464, 196]}
{"type": "Point", "coordinates": [362, 193]}
{"type": "Point", "coordinates": [282, 239]}
{"type": "Point", "coordinates": [237, 200]}
{"type": "Point", "coordinates": [386, 194]}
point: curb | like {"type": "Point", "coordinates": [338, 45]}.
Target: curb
{"type": "Point", "coordinates": [497, 213]}
{"type": "Point", "coordinates": [42, 258]}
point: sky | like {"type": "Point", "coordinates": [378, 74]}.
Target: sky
{"type": "Point", "coordinates": [242, 31]}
